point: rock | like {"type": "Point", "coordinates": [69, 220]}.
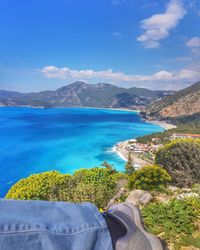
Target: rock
{"type": "Point", "coordinates": [172, 188]}
{"type": "Point", "coordinates": [137, 197]}
{"type": "Point", "coordinates": [186, 195]}
{"type": "Point", "coordinates": [117, 196]}
{"type": "Point", "coordinates": [146, 198]}
{"type": "Point", "coordinates": [163, 198]}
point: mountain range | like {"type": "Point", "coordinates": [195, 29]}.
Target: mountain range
{"type": "Point", "coordinates": [80, 94]}
{"type": "Point", "coordinates": [184, 105]}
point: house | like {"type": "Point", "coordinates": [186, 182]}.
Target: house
{"type": "Point", "coordinates": [181, 136]}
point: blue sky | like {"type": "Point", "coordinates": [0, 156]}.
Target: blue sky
{"type": "Point", "coordinates": [46, 44]}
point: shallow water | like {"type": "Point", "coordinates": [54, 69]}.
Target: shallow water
{"type": "Point", "coordinates": [63, 139]}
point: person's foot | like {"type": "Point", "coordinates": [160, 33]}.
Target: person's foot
{"type": "Point", "coordinates": [136, 238]}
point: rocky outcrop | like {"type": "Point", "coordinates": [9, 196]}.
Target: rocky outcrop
{"type": "Point", "coordinates": [185, 106]}
{"type": "Point", "coordinates": [183, 103]}
{"type": "Point", "coordinates": [139, 197]}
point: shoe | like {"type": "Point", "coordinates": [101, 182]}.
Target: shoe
{"type": "Point", "coordinates": [136, 238]}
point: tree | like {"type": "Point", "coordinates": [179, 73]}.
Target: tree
{"type": "Point", "coordinates": [109, 167]}
{"type": "Point", "coordinates": [149, 178]}
{"type": "Point", "coordinates": [181, 159]}
{"type": "Point", "coordinates": [129, 169]}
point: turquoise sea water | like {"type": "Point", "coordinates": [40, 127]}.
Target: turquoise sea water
{"type": "Point", "coordinates": [64, 139]}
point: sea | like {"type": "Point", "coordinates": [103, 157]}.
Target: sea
{"type": "Point", "coordinates": [34, 140]}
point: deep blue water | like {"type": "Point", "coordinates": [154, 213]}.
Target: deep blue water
{"type": "Point", "coordinates": [65, 139]}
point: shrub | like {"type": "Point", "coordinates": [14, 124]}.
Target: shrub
{"type": "Point", "coordinates": [173, 219]}
{"type": "Point", "coordinates": [99, 194]}
{"type": "Point", "coordinates": [93, 185]}
{"type": "Point", "coordinates": [119, 176]}
{"type": "Point", "coordinates": [149, 178]}
{"type": "Point", "coordinates": [38, 186]}
{"type": "Point", "coordinates": [181, 159]}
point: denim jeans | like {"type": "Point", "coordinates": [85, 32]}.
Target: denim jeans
{"type": "Point", "coordinates": [42, 225]}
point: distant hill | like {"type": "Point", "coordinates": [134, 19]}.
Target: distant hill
{"type": "Point", "coordinates": [184, 105]}
{"type": "Point", "coordinates": [80, 94]}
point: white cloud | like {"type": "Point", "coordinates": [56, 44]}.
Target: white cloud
{"type": "Point", "coordinates": [160, 80]}
{"type": "Point", "coordinates": [158, 26]}
{"type": "Point", "coordinates": [193, 42]}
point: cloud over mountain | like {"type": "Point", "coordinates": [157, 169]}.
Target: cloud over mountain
{"type": "Point", "coordinates": [160, 80]}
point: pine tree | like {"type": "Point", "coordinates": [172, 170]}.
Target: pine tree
{"type": "Point", "coordinates": [129, 169]}
{"type": "Point", "coordinates": [109, 167]}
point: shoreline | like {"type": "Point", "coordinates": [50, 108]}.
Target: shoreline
{"type": "Point", "coordinates": [122, 152]}
{"type": "Point", "coordinates": [106, 108]}
{"type": "Point", "coordinates": [162, 124]}
{"type": "Point", "coordinates": [116, 151]}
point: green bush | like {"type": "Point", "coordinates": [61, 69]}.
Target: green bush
{"type": "Point", "coordinates": [181, 159]}
{"type": "Point", "coordinates": [92, 185]}
{"type": "Point", "coordinates": [149, 178]}
{"type": "Point", "coordinates": [188, 240]}
{"type": "Point", "coordinates": [119, 176]}
{"type": "Point", "coordinates": [173, 219]}
{"type": "Point", "coordinates": [96, 175]}
{"type": "Point", "coordinates": [38, 186]}
{"type": "Point", "coordinates": [99, 194]}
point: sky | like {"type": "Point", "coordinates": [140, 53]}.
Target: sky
{"type": "Point", "coordinates": [46, 44]}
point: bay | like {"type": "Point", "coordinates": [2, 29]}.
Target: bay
{"type": "Point", "coordinates": [64, 139]}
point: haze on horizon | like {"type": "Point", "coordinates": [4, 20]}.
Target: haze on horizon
{"type": "Point", "coordinates": [131, 43]}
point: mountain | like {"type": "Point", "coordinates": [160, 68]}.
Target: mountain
{"type": "Point", "coordinates": [184, 105]}
{"type": "Point", "coordinates": [80, 94]}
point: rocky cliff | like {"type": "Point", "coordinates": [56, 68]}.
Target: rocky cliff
{"type": "Point", "coordinates": [183, 103]}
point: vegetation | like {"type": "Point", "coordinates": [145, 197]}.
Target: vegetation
{"type": "Point", "coordinates": [188, 240]}
{"type": "Point", "coordinates": [121, 179]}
{"type": "Point", "coordinates": [38, 186]}
{"type": "Point", "coordinates": [176, 221]}
{"type": "Point", "coordinates": [109, 167]}
{"type": "Point", "coordinates": [86, 185]}
{"type": "Point", "coordinates": [129, 169]}
{"type": "Point", "coordinates": [119, 176]}
{"type": "Point", "coordinates": [87, 95]}
{"type": "Point", "coordinates": [164, 137]}
{"type": "Point", "coordinates": [172, 220]}
{"type": "Point", "coordinates": [180, 158]}
{"type": "Point", "coordinates": [149, 178]}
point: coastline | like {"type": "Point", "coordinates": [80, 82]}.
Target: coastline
{"type": "Point", "coordinates": [162, 124]}
{"type": "Point", "coordinates": [122, 152]}
{"type": "Point", "coordinates": [42, 107]}
{"type": "Point", "coordinates": [114, 109]}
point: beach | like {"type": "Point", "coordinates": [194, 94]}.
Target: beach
{"type": "Point", "coordinates": [121, 147]}
{"type": "Point", "coordinates": [121, 150]}
{"type": "Point", "coordinates": [163, 124]}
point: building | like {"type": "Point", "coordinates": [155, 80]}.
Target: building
{"type": "Point", "coordinates": [181, 136]}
